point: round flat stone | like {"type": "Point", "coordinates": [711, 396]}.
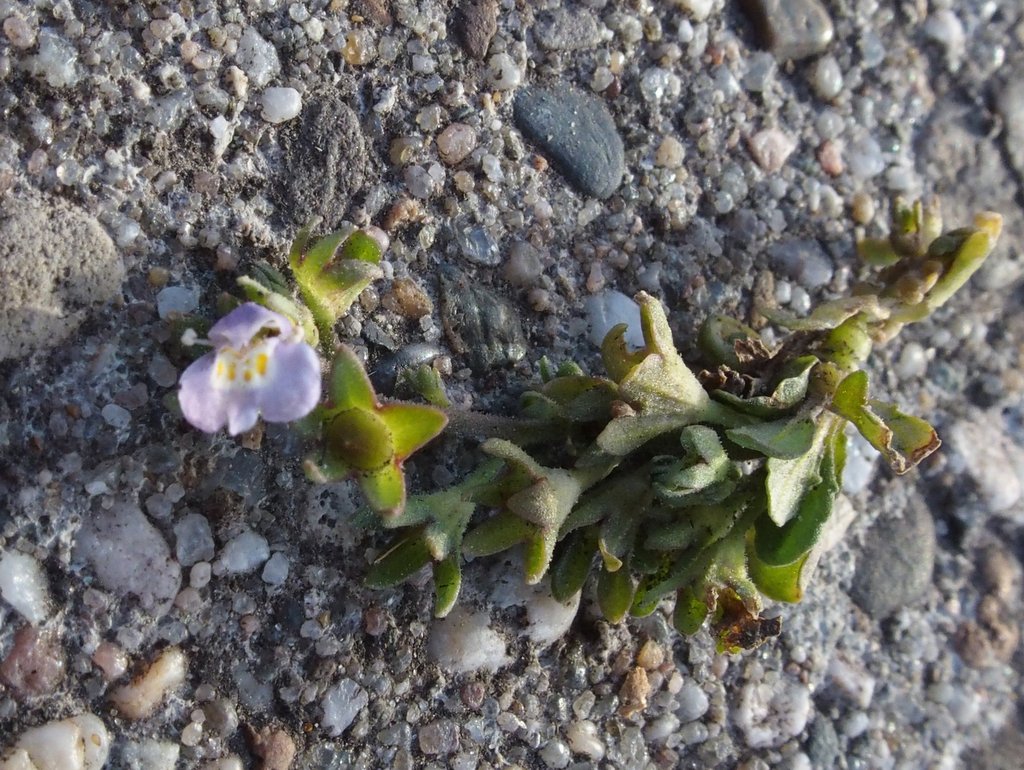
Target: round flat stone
{"type": "Point", "coordinates": [576, 131]}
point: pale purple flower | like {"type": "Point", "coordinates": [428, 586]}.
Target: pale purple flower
{"type": "Point", "coordinates": [260, 366]}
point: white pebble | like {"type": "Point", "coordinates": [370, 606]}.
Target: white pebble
{"type": "Point", "coordinates": [771, 148]}
{"type": "Point", "coordinates": [827, 78]}
{"type": "Point", "coordinates": [23, 585]}
{"type": "Point", "coordinates": [504, 72]}
{"type": "Point", "coordinates": [341, 705]}
{"type": "Point", "coordinates": [280, 104]}
{"type": "Point", "coordinates": [151, 754]}
{"type": "Point", "coordinates": [176, 300]}
{"type": "Point", "coordinates": [465, 642]}
{"type": "Point", "coordinates": [257, 58]}
{"type": "Point", "coordinates": [610, 308]}
{"type": "Point", "coordinates": [54, 746]}
{"type": "Point", "coordinates": [913, 361]}
{"type": "Point", "coordinates": [139, 698]}
{"type": "Point", "coordinates": [583, 739]}
{"type": "Point", "coordinates": [769, 715]}
{"type": "Point", "coordinates": [242, 553]}
{"type": "Point", "coordinates": [693, 703]}
{"type": "Point", "coordinates": [275, 571]}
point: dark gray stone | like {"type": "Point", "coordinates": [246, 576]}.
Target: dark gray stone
{"type": "Point", "coordinates": [894, 568]}
{"type": "Point", "coordinates": [1010, 103]}
{"type": "Point", "coordinates": [324, 164]}
{"type": "Point", "coordinates": [790, 29]}
{"type": "Point", "coordinates": [822, 743]}
{"type": "Point", "coordinates": [803, 261]}
{"type": "Point", "coordinates": [576, 131]}
{"type": "Point", "coordinates": [479, 324]}
{"type": "Point", "coordinates": [474, 23]}
{"type": "Point", "coordinates": [564, 30]}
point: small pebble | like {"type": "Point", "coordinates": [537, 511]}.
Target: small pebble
{"type": "Point", "coordinates": [140, 698]}
{"type": "Point", "coordinates": [456, 142]}
{"type": "Point", "coordinates": [280, 104]}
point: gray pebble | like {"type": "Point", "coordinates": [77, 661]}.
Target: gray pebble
{"type": "Point", "coordinates": [791, 29]}
{"type": "Point", "coordinates": [803, 261]}
{"type": "Point", "coordinates": [565, 30]}
{"type": "Point", "coordinates": [194, 540]}
{"type": "Point", "coordinates": [577, 132]}
{"type": "Point", "coordinates": [480, 325]}
{"type": "Point", "coordinates": [323, 165]}
{"type": "Point", "coordinates": [894, 568]}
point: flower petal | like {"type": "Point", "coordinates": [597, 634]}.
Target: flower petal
{"type": "Point", "coordinates": [292, 386]}
{"type": "Point", "coordinates": [243, 410]}
{"type": "Point", "coordinates": [237, 328]}
{"type": "Point", "coordinates": [202, 405]}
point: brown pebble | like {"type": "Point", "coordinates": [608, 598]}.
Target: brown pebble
{"type": "Point", "coordinates": [472, 694]}
{"type": "Point", "coordinates": [35, 664]}
{"type": "Point", "coordinates": [1000, 573]}
{"type": "Point", "coordinates": [375, 621]}
{"type": "Point", "coordinates": [402, 213]}
{"type": "Point", "coordinates": [377, 11]}
{"type": "Point", "coordinates": [651, 655]}
{"type": "Point", "coordinates": [634, 692]}
{"type": "Point", "coordinates": [475, 23]}
{"type": "Point", "coordinates": [408, 299]}
{"type": "Point", "coordinates": [275, 747]}
{"type": "Point", "coordinates": [830, 156]}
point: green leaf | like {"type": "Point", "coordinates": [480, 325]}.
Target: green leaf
{"type": "Point", "coordinates": [618, 359]}
{"type": "Point", "coordinates": [877, 252]}
{"type": "Point", "coordinates": [622, 435]}
{"type": "Point", "coordinates": [358, 438]}
{"type": "Point", "coordinates": [425, 381]}
{"type": "Point", "coordinates": [360, 246]}
{"type": "Point", "coordinates": [902, 439]}
{"type": "Point", "coordinates": [615, 593]}
{"type": "Point", "coordinates": [349, 385]}
{"type": "Point", "coordinates": [411, 425]}
{"type": "Point", "coordinates": [572, 564]}
{"type": "Point", "coordinates": [537, 553]}
{"type": "Point", "coordinates": [779, 546]}
{"type": "Point", "coordinates": [407, 556]}
{"type": "Point", "coordinates": [384, 489]}
{"type": "Point", "coordinates": [496, 534]}
{"type": "Point", "coordinates": [447, 582]}
{"type": "Point", "coordinates": [789, 480]}
{"type": "Point", "coordinates": [690, 612]}
{"type": "Point", "coordinates": [626, 491]}
{"type": "Point", "coordinates": [781, 583]}
{"type": "Point", "coordinates": [783, 439]}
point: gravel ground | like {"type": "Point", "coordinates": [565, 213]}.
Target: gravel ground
{"type": "Point", "coordinates": [527, 157]}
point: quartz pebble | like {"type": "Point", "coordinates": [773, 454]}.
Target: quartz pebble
{"type": "Point", "coordinates": [241, 554]}
{"type": "Point", "coordinates": [827, 78]}
{"type": "Point", "coordinates": [34, 664]}
{"type": "Point", "coordinates": [341, 704]}
{"type": "Point", "coordinates": [771, 148]}
{"type": "Point", "coordinates": [610, 308]}
{"type": "Point", "coordinates": [280, 104]}
{"type": "Point", "coordinates": [769, 715]}
{"type": "Point", "coordinates": [130, 556]}
{"type": "Point", "coordinates": [584, 739]}
{"type": "Point", "coordinates": [176, 301]}
{"type": "Point", "coordinates": [464, 642]}
{"type": "Point", "coordinates": [257, 57]}
{"type": "Point", "coordinates": [151, 754]}
{"type": "Point", "coordinates": [440, 737]}
{"type": "Point", "coordinates": [194, 540]}
{"type": "Point", "coordinates": [78, 743]}
{"type": "Point", "coordinates": [456, 142]}
{"type": "Point", "coordinates": [275, 571]}
{"type": "Point", "coordinates": [23, 585]}
{"type": "Point", "coordinates": [140, 698]}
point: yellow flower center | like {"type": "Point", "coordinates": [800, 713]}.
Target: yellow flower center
{"type": "Point", "coordinates": [233, 369]}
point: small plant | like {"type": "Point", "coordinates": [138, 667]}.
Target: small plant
{"type": "Point", "coordinates": [713, 485]}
